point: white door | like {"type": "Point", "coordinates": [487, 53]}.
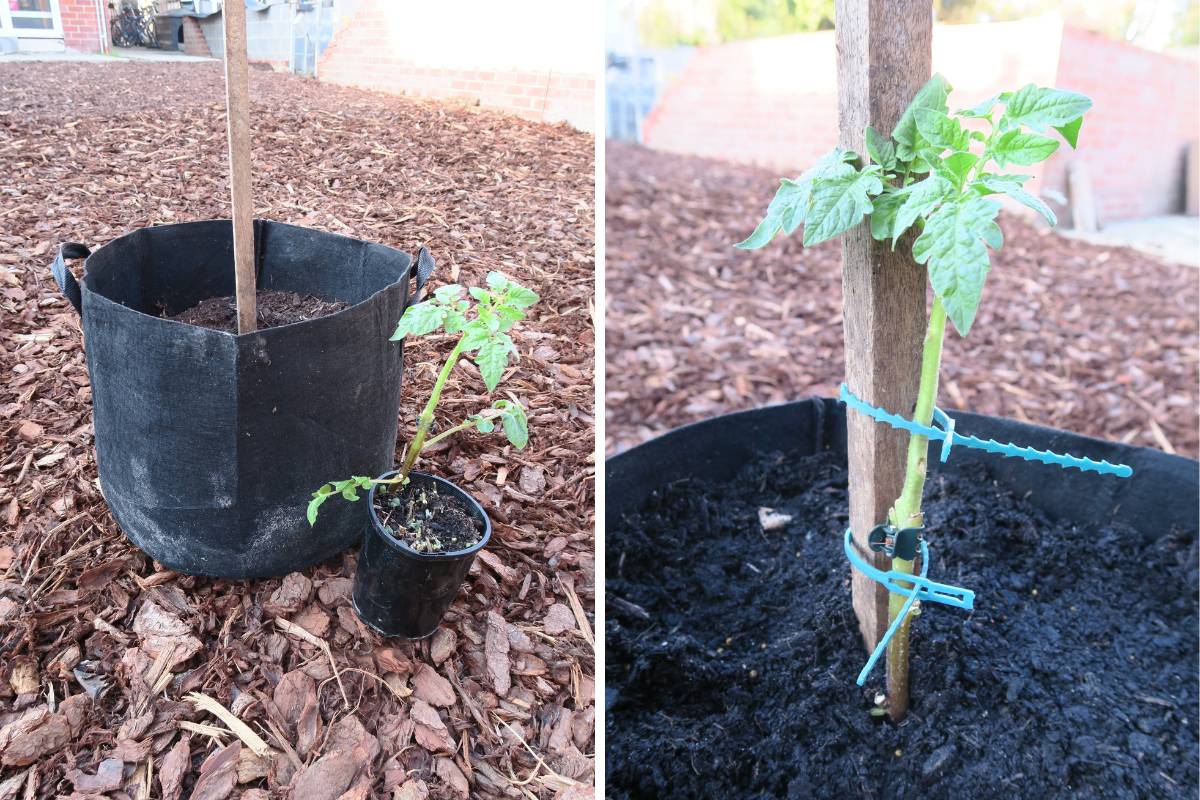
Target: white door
{"type": "Point", "coordinates": [30, 19]}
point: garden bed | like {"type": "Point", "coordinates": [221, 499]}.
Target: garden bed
{"type": "Point", "coordinates": [92, 151]}
{"type": "Point", "coordinates": [1098, 340]}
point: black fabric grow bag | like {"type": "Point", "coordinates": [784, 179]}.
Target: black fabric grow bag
{"type": "Point", "coordinates": [209, 444]}
{"type": "Point", "coordinates": [1164, 490]}
{"type": "Point", "coordinates": [732, 652]}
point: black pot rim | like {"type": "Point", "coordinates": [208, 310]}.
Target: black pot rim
{"type": "Point", "coordinates": [128, 234]}
{"type": "Point", "coordinates": [401, 547]}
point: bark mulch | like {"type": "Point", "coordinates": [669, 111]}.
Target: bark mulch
{"type": "Point", "coordinates": [1098, 340]}
{"type": "Point", "coordinates": [105, 656]}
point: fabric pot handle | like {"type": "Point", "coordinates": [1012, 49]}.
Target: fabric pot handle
{"type": "Point", "coordinates": [63, 277]}
{"type": "Point", "coordinates": [421, 270]}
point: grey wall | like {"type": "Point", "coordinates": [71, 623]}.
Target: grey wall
{"type": "Point", "coordinates": [268, 32]}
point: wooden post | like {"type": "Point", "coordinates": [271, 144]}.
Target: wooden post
{"type": "Point", "coordinates": [237, 107]}
{"type": "Point", "coordinates": [884, 52]}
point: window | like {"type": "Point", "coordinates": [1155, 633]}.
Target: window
{"type": "Point", "coordinates": [31, 18]}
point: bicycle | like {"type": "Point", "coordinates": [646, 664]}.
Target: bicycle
{"type": "Point", "coordinates": [133, 27]}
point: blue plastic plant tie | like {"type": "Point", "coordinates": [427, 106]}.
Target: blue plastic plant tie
{"type": "Point", "coordinates": [948, 437]}
{"type": "Point", "coordinates": [894, 580]}
{"type": "Point", "coordinates": [943, 419]}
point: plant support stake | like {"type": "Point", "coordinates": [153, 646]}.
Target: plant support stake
{"type": "Point", "coordinates": [237, 108]}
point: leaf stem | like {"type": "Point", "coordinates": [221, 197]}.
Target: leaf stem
{"type": "Point", "coordinates": [906, 511]}
{"type": "Point", "coordinates": [490, 413]}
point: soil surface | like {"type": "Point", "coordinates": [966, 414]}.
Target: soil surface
{"type": "Point", "coordinates": [732, 653]}
{"type": "Point", "coordinates": [1065, 335]}
{"type": "Point", "coordinates": [272, 310]}
{"type": "Point", "coordinates": [499, 702]}
{"type": "Point", "coordinates": [427, 520]}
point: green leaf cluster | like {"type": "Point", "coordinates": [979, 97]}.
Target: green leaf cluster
{"type": "Point", "coordinates": [348, 489]}
{"type": "Point", "coordinates": [483, 319]}
{"type": "Point", "coordinates": [512, 420]}
{"type": "Point", "coordinates": [933, 175]}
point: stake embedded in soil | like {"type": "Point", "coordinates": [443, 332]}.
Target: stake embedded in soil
{"type": "Point", "coordinates": [237, 105]}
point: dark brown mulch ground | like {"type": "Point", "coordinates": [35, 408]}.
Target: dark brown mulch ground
{"type": "Point", "coordinates": [272, 309]}
{"type": "Point", "coordinates": [1098, 340]}
{"type": "Point", "coordinates": [500, 702]}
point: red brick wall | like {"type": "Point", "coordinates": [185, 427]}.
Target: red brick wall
{"type": "Point", "coordinates": [363, 54]}
{"type": "Point", "coordinates": [773, 102]}
{"type": "Point", "coordinates": [80, 26]}
{"type": "Point", "coordinates": [1134, 140]}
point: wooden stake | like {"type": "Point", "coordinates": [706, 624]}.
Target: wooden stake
{"type": "Point", "coordinates": [884, 56]}
{"type": "Point", "coordinates": [237, 107]}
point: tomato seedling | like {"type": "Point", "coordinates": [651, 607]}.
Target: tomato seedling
{"type": "Point", "coordinates": [938, 175]}
{"type": "Point", "coordinates": [482, 322]}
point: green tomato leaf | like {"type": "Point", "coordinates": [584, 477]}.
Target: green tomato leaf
{"type": "Point", "coordinates": [510, 314]}
{"type": "Point", "coordinates": [348, 487]}
{"type": "Point", "coordinates": [956, 166]}
{"type": "Point", "coordinates": [492, 358]}
{"type": "Point", "coordinates": [484, 424]}
{"type": "Point", "coordinates": [419, 320]}
{"type": "Point", "coordinates": [475, 334]}
{"type": "Point", "coordinates": [923, 198]}
{"type": "Point", "coordinates": [981, 110]}
{"type": "Point", "coordinates": [1011, 185]}
{"type": "Point", "coordinates": [480, 294]}
{"type": "Point", "coordinates": [941, 131]}
{"type": "Point", "coordinates": [448, 293]}
{"type": "Point", "coordinates": [787, 204]}
{"type": "Point", "coordinates": [313, 506]}
{"type": "Point", "coordinates": [880, 148]}
{"type": "Point", "coordinates": [954, 247]}
{"type": "Point", "coordinates": [1070, 131]}
{"type": "Point", "coordinates": [930, 96]}
{"type": "Point", "coordinates": [1038, 108]}
{"type": "Point", "coordinates": [454, 321]}
{"type": "Point", "coordinates": [789, 207]}
{"type": "Point", "coordinates": [840, 199]}
{"type": "Point", "coordinates": [516, 426]}
{"type": "Point", "coordinates": [496, 281]}
{"type": "Point", "coordinates": [883, 217]}
{"type": "Point", "coordinates": [521, 297]}
{"type": "Point", "coordinates": [1015, 147]}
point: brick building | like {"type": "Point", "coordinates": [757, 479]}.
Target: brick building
{"type": "Point", "coordinates": [535, 58]}
{"type": "Point", "coordinates": [773, 102]}
{"type": "Point", "coordinates": [53, 25]}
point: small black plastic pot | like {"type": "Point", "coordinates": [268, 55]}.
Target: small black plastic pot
{"type": "Point", "coordinates": [400, 592]}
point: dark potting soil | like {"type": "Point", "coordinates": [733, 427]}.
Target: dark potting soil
{"type": "Point", "coordinates": [427, 520]}
{"type": "Point", "coordinates": [273, 309]}
{"type": "Point", "coordinates": [732, 653]}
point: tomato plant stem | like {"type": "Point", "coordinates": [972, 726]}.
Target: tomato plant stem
{"type": "Point", "coordinates": [906, 512]}
{"type": "Point", "coordinates": [425, 421]}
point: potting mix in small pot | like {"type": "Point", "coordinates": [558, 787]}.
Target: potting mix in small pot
{"type": "Point", "coordinates": [425, 531]}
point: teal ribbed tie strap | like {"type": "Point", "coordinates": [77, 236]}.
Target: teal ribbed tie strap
{"type": "Point", "coordinates": [948, 437]}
